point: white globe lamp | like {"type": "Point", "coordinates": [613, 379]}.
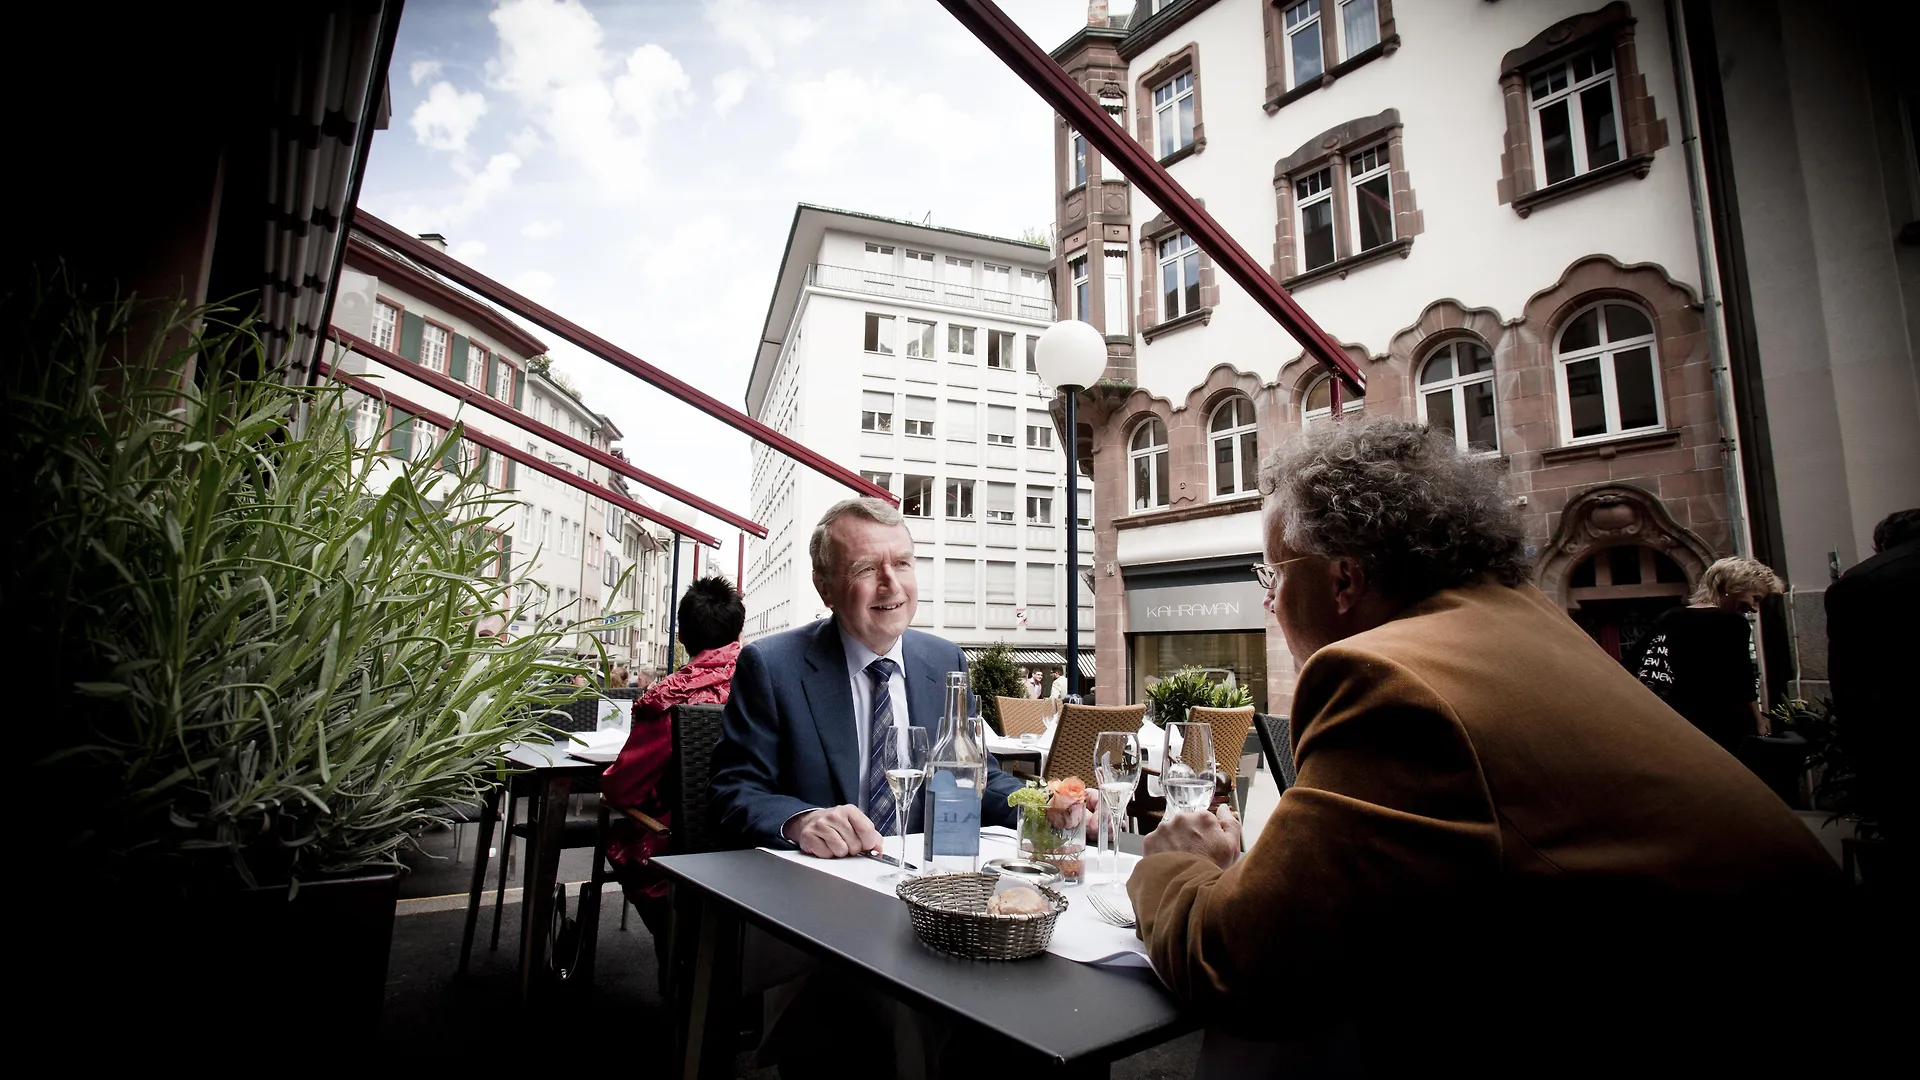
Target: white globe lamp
{"type": "Point", "coordinates": [1071, 355]}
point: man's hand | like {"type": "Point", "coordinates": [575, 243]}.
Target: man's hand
{"type": "Point", "coordinates": [1214, 836]}
{"type": "Point", "coordinates": [833, 833]}
{"type": "Point", "coordinates": [1093, 815]}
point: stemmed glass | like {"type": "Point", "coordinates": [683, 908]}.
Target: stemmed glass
{"type": "Point", "coordinates": [903, 754]}
{"type": "Point", "coordinates": [1187, 771]}
{"type": "Point", "coordinates": [1116, 768]}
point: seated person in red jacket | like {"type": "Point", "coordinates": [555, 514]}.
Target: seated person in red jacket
{"type": "Point", "coordinates": [711, 615]}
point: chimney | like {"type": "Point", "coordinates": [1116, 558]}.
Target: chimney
{"type": "Point", "coordinates": [1096, 12]}
{"type": "Point", "coordinates": [434, 239]}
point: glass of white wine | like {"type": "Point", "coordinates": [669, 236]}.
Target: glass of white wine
{"type": "Point", "coordinates": [904, 756]}
{"type": "Point", "coordinates": [1187, 768]}
{"type": "Point", "coordinates": [1116, 768]}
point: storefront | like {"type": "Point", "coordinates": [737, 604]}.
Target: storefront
{"type": "Point", "coordinates": [1205, 613]}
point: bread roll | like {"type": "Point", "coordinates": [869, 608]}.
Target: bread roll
{"type": "Point", "coordinates": [1020, 900]}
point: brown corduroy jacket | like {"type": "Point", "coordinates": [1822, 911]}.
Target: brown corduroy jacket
{"type": "Point", "coordinates": [1493, 820]}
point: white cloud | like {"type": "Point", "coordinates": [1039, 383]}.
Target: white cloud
{"type": "Point", "coordinates": [539, 230]}
{"type": "Point", "coordinates": [446, 117]}
{"type": "Point", "coordinates": [840, 110]}
{"type": "Point", "coordinates": [494, 178]}
{"type": "Point", "coordinates": [534, 284]}
{"type": "Point", "coordinates": [468, 250]}
{"type": "Point", "coordinates": [764, 30]}
{"type": "Point", "coordinates": [422, 70]}
{"type": "Point", "coordinates": [525, 142]}
{"type": "Point", "coordinates": [729, 89]}
{"type": "Point", "coordinates": [551, 59]}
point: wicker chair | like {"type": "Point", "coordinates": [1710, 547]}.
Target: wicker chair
{"type": "Point", "coordinates": [1073, 737]}
{"type": "Point", "coordinates": [1230, 729]}
{"type": "Point", "coordinates": [1024, 716]}
{"type": "Point", "coordinates": [1276, 739]}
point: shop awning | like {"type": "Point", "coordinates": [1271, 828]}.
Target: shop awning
{"type": "Point", "coordinates": [1035, 657]}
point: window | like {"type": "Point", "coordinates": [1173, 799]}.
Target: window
{"type": "Point", "coordinates": [959, 340]}
{"type": "Point", "coordinates": [546, 529]}
{"type": "Point", "coordinates": [477, 366]}
{"type": "Point", "coordinates": [367, 414]}
{"type": "Point", "coordinates": [997, 278]}
{"type": "Point", "coordinates": [916, 497]}
{"type": "Point", "coordinates": [1033, 354]}
{"type": "Point", "coordinates": [1039, 506]}
{"type": "Point", "coordinates": [576, 539]}
{"type": "Point", "coordinates": [961, 580]}
{"type": "Point", "coordinates": [1000, 349]}
{"type": "Point", "coordinates": [435, 343]}
{"type": "Point", "coordinates": [999, 583]}
{"type": "Point", "coordinates": [1000, 502]}
{"type": "Point", "coordinates": [963, 421]}
{"type": "Point", "coordinates": [1359, 27]}
{"type": "Point", "coordinates": [876, 411]}
{"type": "Point", "coordinates": [1576, 126]}
{"type": "Point", "coordinates": [503, 380]}
{"type": "Point", "coordinates": [999, 425]}
{"type": "Point", "coordinates": [1039, 436]}
{"type": "Point", "coordinates": [386, 325]}
{"type": "Point", "coordinates": [1077, 157]}
{"type": "Point", "coordinates": [426, 440]}
{"type": "Point", "coordinates": [920, 339]}
{"type": "Point", "coordinates": [959, 276]}
{"type": "Point", "coordinates": [1609, 378]}
{"type": "Point", "coordinates": [1318, 404]}
{"type": "Point", "coordinates": [1147, 465]}
{"type": "Point", "coordinates": [1040, 584]}
{"type": "Point", "coordinates": [920, 270]}
{"type": "Point", "coordinates": [1305, 62]}
{"type": "Point", "coordinates": [1179, 277]}
{"type": "Point", "coordinates": [920, 417]}
{"type": "Point", "coordinates": [467, 455]}
{"type": "Point", "coordinates": [614, 519]}
{"type": "Point", "coordinates": [1369, 173]}
{"type": "Point", "coordinates": [1456, 395]}
{"type": "Point", "coordinates": [1116, 106]}
{"type": "Point", "coordinates": [1236, 449]}
{"type": "Point", "coordinates": [1117, 290]}
{"type": "Point", "coordinates": [880, 334]}
{"type": "Point", "coordinates": [1313, 195]}
{"type": "Point", "coordinates": [879, 264]}
{"type": "Point", "coordinates": [960, 499]}
{"type": "Point", "coordinates": [1077, 273]}
{"type": "Point", "coordinates": [1173, 114]}
{"type": "Point", "coordinates": [878, 479]}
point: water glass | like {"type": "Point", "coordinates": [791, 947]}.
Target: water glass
{"type": "Point", "coordinates": [1188, 768]}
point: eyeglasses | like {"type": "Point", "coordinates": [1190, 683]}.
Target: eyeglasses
{"type": "Point", "coordinates": [1268, 574]}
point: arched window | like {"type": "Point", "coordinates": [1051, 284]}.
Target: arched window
{"type": "Point", "coordinates": [1456, 395]}
{"type": "Point", "coordinates": [1147, 465]}
{"type": "Point", "coordinates": [1609, 374]}
{"type": "Point", "coordinates": [1317, 405]}
{"type": "Point", "coordinates": [1236, 449]}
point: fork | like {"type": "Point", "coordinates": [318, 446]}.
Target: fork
{"type": "Point", "coordinates": [1111, 910]}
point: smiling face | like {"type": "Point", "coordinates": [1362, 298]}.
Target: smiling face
{"type": "Point", "coordinates": [869, 583]}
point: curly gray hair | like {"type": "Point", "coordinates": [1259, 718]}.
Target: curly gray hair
{"type": "Point", "coordinates": [820, 545]}
{"type": "Point", "coordinates": [1419, 515]}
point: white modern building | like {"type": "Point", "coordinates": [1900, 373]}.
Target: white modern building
{"type": "Point", "coordinates": [906, 351]}
{"type": "Point", "coordinates": [563, 548]}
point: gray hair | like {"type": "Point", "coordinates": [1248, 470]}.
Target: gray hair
{"type": "Point", "coordinates": [820, 547]}
{"type": "Point", "coordinates": [1418, 515]}
{"type": "Point", "coordinates": [1736, 576]}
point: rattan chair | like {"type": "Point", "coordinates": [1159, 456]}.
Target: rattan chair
{"type": "Point", "coordinates": [1024, 716]}
{"type": "Point", "coordinates": [1230, 728]}
{"type": "Point", "coordinates": [1276, 739]}
{"type": "Point", "coordinates": [1073, 737]}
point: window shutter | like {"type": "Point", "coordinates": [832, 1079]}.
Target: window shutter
{"type": "Point", "coordinates": [410, 330]}
{"type": "Point", "coordinates": [513, 474]}
{"type": "Point", "coordinates": [400, 442]}
{"type": "Point", "coordinates": [519, 387]}
{"type": "Point", "coordinates": [506, 557]}
{"type": "Point", "coordinates": [457, 363]}
{"type": "Point", "coordinates": [485, 458]}
{"type": "Point", "coordinates": [493, 371]}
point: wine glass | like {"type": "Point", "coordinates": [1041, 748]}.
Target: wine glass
{"type": "Point", "coordinates": [903, 754]}
{"type": "Point", "coordinates": [1187, 769]}
{"type": "Point", "coordinates": [1116, 768]}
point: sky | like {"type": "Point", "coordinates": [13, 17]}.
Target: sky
{"type": "Point", "coordinates": [635, 167]}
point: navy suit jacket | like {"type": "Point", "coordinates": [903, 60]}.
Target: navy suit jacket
{"type": "Point", "coordinates": [787, 741]}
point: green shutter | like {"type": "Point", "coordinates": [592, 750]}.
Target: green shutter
{"type": "Point", "coordinates": [411, 327]}
{"type": "Point", "coordinates": [457, 364]}
{"type": "Point", "coordinates": [483, 458]}
{"type": "Point", "coordinates": [519, 387]}
{"type": "Point", "coordinates": [493, 365]}
{"type": "Point", "coordinates": [506, 557]}
{"type": "Point", "coordinates": [513, 475]}
{"type": "Point", "coordinates": [450, 460]}
{"type": "Point", "coordinates": [400, 442]}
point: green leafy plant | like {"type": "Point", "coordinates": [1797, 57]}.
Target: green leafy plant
{"type": "Point", "coordinates": [1838, 787]}
{"type": "Point", "coordinates": [993, 675]}
{"type": "Point", "coordinates": [1231, 697]}
{"type": "Point", "coordinates": [1174, 694]}
{"type": "Point", "coordinates": [255, 643]}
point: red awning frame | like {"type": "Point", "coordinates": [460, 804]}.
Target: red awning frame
{"type": "Point", "coordinates": [487, 288]}
{"type": "Point", "coordinates": [480, 399]}
{"type": "Point", "coordinates": [1037, 69]}
{"type": "Point", "coordinates": [479, 438]}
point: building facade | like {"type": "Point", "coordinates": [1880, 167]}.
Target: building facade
{"type": "Point", "coordinates": [1490, 206]}
{"type": "Point", "coordinates": [563, 549]}
{"type": "Point", "coordinates": [909, 349]}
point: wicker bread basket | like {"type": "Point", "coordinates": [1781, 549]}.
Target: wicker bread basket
{"type": "Point", "coordinates": [950, 914]}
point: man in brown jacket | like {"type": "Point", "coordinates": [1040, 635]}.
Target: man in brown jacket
{"type": "Point", "coordinates": [1502, 852]}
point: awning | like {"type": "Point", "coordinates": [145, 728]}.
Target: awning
{"type": "Point", "coordinates": [1035, 657]}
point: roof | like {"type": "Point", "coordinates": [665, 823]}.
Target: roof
{"type": "Point", "coordinates": [810, 224]}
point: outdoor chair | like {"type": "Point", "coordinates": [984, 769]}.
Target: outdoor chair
{"type": "Point", "coordinates": [1024, 716]}
{"type": "Point", "coordinates": [1073, 737]}
{"type": "Point", "coordinates": [1276, 740]}
{"type": "Point", "coordinates": [1231, 729]}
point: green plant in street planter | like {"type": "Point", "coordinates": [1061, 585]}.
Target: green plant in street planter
{"type": "Point", "coordinates": [1174, 694]}
{"type": "Point", "coordinates": [994, 676]}
{"type": "Point", "coordinates": [252, 640]}
{"type": "Point", "coordinates": [1231, 697]}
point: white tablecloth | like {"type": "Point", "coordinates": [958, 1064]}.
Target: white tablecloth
{"type": "Point", "coordinates": [1078, 934]}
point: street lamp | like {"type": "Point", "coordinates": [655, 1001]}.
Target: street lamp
{"type": "Point", "coordinates": [1071, 355]}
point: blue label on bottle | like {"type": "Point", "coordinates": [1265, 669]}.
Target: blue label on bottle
{"type": "Point", "coordinates": [954, 824]}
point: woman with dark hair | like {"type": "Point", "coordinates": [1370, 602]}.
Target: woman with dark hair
{"type": "Point", "coordinates": [711, 616]}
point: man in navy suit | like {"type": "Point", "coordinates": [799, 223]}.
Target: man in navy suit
{"type": "Point", "coordinates": [798, 762]}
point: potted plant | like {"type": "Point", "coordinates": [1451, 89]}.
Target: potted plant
{"type": "Point", "coordinates": [1053, 823]}
{"type": "Point", "coordinates": [1174, 694]}
{"type": "Point", "coordinates": [255, 662]}
{"type": "Point", "coordinates": [995, 676]}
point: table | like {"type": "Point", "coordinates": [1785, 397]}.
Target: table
{"type": "Point", "coordinates": [1067, 1018]}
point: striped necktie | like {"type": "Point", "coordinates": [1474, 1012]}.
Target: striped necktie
{"type": "Point", "coordinates": [880, 808]}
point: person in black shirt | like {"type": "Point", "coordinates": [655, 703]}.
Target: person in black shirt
{"type": "Point", "coordinates": [1699, 657]}
{"type": "Point", "coordinates": [1871, 646]}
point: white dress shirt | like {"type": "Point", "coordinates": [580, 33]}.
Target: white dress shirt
{"type": "Point", "coordinates": [858, 657]}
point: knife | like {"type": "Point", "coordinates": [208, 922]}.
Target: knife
{"type": "Point", "coordinates": [889, 860]}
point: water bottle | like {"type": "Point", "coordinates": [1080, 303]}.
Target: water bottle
{"type": "Point", "coordinates": [956, 778]}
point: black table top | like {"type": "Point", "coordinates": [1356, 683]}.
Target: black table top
{"type": "Point", "coordinates": [543, 756]}
{"type": "Point", "coordinates": [1068, 1011]}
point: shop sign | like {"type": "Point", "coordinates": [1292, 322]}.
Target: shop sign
{"type": "Point", "coordinates": [1216, 606]}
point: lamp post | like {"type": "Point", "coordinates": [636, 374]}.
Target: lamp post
{"type": "Point", "coordinates": [1071, 355]}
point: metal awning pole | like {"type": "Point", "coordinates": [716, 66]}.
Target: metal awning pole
{"type": "Point", "coordinates": [673, 607]}
{"type": "Point", "coordinates": [1057, 89]}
